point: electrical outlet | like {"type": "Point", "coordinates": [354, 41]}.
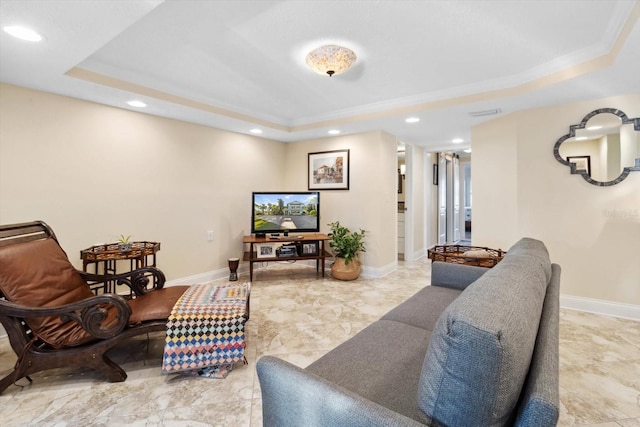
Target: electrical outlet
{"type": "Point", "coordinates": [210, 235]}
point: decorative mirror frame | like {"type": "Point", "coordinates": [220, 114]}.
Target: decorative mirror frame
{"type": "Point", "coordinates": [572, 132]}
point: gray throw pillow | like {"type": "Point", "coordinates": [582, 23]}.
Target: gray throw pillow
{"type": "Point", "coordinates": [479, 354]}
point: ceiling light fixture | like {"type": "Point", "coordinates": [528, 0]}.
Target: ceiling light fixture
{"type": "Point", "coordinates": [23, 33]}
{"type": "Point", "coordinates": [136, 103]}
{"type": "Point", "coordinates": [331, 59]}
{"type": "Point", "coordinates": [467, 150]}
{"type": "Point", "coordinates": [457, 140]}
{"type": "Point", "coordinates": [594, 127]}
{"type": "Point", "coordinates": [256, 131]}
{"type": "Point", "coordinates": [334, 132]}
{"type": "Point", "coordinates": [412, 119]}
{"type": "Point", "coordinates": [485, 112]}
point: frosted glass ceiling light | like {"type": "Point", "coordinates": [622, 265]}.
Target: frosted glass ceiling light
{"type": "Point", "coordinates": [331, 59]}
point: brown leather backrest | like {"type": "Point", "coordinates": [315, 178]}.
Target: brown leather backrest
{"type": "Point", "coordinates": [39, 274]}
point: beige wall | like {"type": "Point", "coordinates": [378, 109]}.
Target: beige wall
{"type": "Point", "coordinates": [370, 203]}
{"type": "Point", "coordinates": [417, 202]}
{"type": "Point", "coordinates": [94, 172]}
{"type": "Point", "coordinates": [520, 189]}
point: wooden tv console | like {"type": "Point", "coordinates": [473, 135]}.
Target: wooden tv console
{"type": "Point", "coordinates": [255, 243]}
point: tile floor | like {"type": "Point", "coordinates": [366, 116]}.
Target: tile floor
{"type": "Point", "coordinates": [299, 317]}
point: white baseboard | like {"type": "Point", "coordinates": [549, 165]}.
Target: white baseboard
{"type": "Point", "coordinates": [378, 272]}
{"type": "Point", "coordinates": [419, 254]}
{"type": "Point", "coordinates": [198, 278]}
{"type": "Point", "coordinates": [209, 276]}
{"type": "Point", "coordinates": [368, 272]}
{"type": "Point", "coordinates": [607, 308]}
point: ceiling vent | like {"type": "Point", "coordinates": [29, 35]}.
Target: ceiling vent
{"type": "Point", "coordinates": [485, 112]}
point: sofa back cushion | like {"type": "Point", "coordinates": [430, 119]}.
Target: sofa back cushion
{"type": "Point", "coordinates": [479, 354]}
{"type": "Point", "coordinates": [39, 274]}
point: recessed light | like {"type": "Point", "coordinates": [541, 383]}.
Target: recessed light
{"type": "Point", "coordinates": [136, 103]}
{"type": "Point", "coordinates": [485, 112]}
{"type": "Point", "coordinates": [256, 131]}
{"type": "Point", "coordinates": [457, 140]}
{"type": "Point", "coordinates": [581, 138]}
{"type": "Point", "coordinates": [594, 127]}
{"type": "Point", "coordinates": [334, 132]}
{"type": "Point", "coordinates": [23, 33]}
{"type": "Point", "coordinates": [467, 150]}
{"type": "Point", "coordinates": [412, 119]}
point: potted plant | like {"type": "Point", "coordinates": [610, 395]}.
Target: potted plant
{"type": "Point", "coordinates": [346, 245]}
{"type": "Point", "coordinates": [124, 243]}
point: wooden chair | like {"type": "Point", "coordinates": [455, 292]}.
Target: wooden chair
{"type": "Point", "coordinates": [52, 317]}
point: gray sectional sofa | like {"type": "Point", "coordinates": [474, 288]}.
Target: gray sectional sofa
{"type": "Point", "coordinates": [479, 347]}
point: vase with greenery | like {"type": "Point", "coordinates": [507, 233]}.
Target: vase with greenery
{"type": "Point", "coordinates": [346, 245]}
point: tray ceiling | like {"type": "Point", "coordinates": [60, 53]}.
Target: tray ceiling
{"type": "Point", "coordinates": [238, 65]}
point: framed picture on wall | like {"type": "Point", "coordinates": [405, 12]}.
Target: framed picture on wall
{"type": "Point", "coordinates": [329, 170]}
{"type": "Point", "coordinates": [583, 164]}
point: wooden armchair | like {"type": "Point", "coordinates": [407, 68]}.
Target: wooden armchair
{"type": "Point", "coordinates": [52, 317]}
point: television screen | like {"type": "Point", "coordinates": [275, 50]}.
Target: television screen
{"type": "Point", "coordinates": [274, 212]}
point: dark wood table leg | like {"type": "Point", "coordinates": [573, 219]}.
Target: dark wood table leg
{"type": "Point", "coordinates": [322, 256]}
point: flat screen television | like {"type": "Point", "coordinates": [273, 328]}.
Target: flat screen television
{"type": "Point", "coordinates": [276, 212]}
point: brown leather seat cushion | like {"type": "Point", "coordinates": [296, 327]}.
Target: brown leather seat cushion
{"type": "Point", "coordinates": [155, 305]}
{"type": "Point", "coordinates": [39, 274]}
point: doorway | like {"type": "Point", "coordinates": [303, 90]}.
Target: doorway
{"type": "Point", "coordinates": [402, 192]}
{"type": "Point", "coordinates": [454, 191]}
{"type": "Point", "coordinates": [467, 191]}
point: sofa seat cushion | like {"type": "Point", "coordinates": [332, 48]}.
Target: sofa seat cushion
{"type": "Point", "coordinates": [155, 305]}
{"type": "Point", "coordinates": [423, 309]}
{"type": "Point", "coordinates": [481, 348]}
{"type": "Point", "coordinates": [381, 363]}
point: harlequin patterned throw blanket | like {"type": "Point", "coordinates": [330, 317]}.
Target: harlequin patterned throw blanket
{"type": "Point", "coordinates": [205, 331]}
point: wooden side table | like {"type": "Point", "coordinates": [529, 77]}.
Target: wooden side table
{"type": "Point", "coordinates": [313, 241]}
{"type": "Point", "coordinates": [141, 254]}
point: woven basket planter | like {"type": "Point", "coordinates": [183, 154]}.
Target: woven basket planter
{"type": "Point", "coordinates": [468, 255]}
{"type": "Point", "coordinates": [342, 271]}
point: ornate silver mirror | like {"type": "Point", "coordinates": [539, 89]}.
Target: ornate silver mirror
{"type": "Point", "coordinates": [603, 148]}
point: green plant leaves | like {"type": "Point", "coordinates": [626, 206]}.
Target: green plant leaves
{"type": "Point", "coordinates": [346, 243]}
